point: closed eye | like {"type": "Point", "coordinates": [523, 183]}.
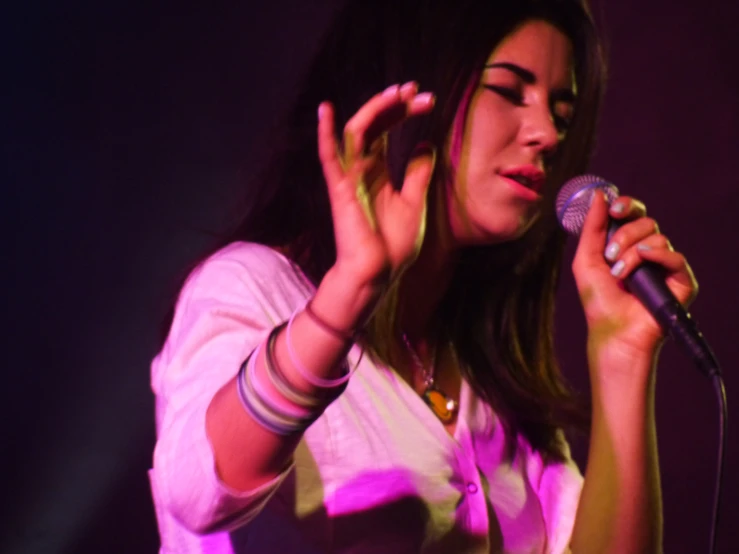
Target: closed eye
{"type": "Point", "coordinates": [508, 93]}
{"type": "Point", "coordinates": [512, 95]}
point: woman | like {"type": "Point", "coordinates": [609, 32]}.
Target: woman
{"type": "Point", "coordinates": [366, 365]}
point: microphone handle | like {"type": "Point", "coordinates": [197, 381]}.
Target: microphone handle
{"type": "Point", "coordinates": [647, 283]}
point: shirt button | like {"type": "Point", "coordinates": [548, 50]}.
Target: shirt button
{"type": "Point", "coordinates": [471, 488]}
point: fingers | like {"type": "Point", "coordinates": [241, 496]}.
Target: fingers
{"type": "Point", "coordinates": [328, 150]}
{"type": "Point", "coordinates": [657, 249]}
{"type": "Point", "coordinates": [594, 233]}
{"type": "Point", "coordinates": [653, 248]}
{"type": "Point", "coordinates": [363, 132]}
{"type": "Point", "coordinates": [676, 265]}
{"type": "Point", "coordinates": [628, 235]}
{"type": "Point", "coordinates": [626, 207]}
{"type": "Point", "coordinates": [380, 113]}
{"type": "Point", "coordinates": [418, 175]}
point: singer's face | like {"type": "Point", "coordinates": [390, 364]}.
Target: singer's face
{"type": "Point", "coordinates": [518, 114]}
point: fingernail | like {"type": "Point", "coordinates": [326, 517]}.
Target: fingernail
{"type": "Point", "coordinates": [321, 110]}
{"type": "Point", "coordinates": [643, 247]}
{"type": "Point", "coordinates": [408, 87]}
{"type": "Point", "coordinates": [618, 208]}
{"type": "Point", "coordinates": [612, 251]}
{"type": "Point", "coordinates": [423, 99]}
{"type": "Point", "coordinates": [617, 268]}
{"type": "Point", "coordinates": [391, 90]}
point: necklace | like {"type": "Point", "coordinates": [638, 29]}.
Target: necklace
{"type": "Point", "coordinates": [443, 405]}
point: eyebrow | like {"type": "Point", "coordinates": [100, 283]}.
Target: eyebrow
{"type": "Point", "coordinates": [560, 95]}
{"type": "Point", "coordinates": [525, 75]}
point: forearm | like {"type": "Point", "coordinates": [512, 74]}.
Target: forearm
{"type": "Point", "coordinates": [620, 507]}
{"type": "Point", "coordinates": [248, 455]}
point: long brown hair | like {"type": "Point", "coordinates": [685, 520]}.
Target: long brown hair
{"type": "Point", "coordinates": [499, 308]}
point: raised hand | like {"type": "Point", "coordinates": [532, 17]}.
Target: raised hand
{"type": "Point", "coordinates": [616, 319]}
{"type": "Point", "coordinates": [378, 230]}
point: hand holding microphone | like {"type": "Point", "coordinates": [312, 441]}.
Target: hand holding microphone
{"type": "Point", "coordinates": [651, 271]}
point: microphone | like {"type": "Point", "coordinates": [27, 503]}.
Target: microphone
{"type": "Point", "coordinates": [647, 281]}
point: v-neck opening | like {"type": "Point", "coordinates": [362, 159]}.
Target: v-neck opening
{"type": "Point", "coordinates": [424, 412]}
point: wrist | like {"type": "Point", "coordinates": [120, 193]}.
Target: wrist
{"type": "Point", "coordinates": [618, 367]}
{"type": "Point", "coordinates": [343, 302]}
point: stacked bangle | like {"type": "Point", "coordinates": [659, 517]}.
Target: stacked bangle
{"type": "Point", "coordinates": [266, 413]}
{"type": "Point", "coordinates": [293, 412]}
{"type": "Point", "coordinates": [278, 380]}
{"type": "Point", "coordinates": [306, 408]}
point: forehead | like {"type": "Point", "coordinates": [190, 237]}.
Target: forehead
{"type": "Point", "coordinates": [539, 47]}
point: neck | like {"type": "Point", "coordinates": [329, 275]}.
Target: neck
{"type": "Point", "coordinates": [424, 285]}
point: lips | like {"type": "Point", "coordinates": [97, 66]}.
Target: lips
{"type": "Point", "coordinates": [529, 176]}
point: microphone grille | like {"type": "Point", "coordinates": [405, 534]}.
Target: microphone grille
{"type": "Point", "coordinates": [574, 198]}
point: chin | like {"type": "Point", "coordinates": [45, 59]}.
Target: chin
{"type": "Point", "coordinates": [513, 229]}
{"type": "Point", "coordinates": [498, 235]}
{"type": "Point", "coordinates": [492, 228]}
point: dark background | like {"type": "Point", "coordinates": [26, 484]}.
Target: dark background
{"type": "Point", "coordinates": [126, 130]}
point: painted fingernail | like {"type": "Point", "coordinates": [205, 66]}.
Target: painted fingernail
{"type": "Point", "coordinates": [618, 208]}
{"type": "Point", "coordinates": [424, 99]}
{"type": "Point", "coordinates": [410, 86]}
{"type": "Point", "coordinates": [392, 90]}
{"type": "Point", "coordinates": [617, 268]}
{"type": "Point", "coordinates": [612, 251]}
{"type": "Point", "coordinates": [643, 247]}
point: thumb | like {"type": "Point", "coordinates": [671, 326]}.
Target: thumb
{"type": "Point", "coordinates": [594, 230]}
{"type": "Point", "coordinates": [418, 174]}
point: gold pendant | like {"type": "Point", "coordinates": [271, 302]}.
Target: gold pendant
{"type": "Point", "coordinates": [442, 405]}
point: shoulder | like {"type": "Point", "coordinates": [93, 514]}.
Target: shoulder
{"type": "Point", "coordinates": [251, 264]}
{"type": "Point", "coordinates": [256, 259]}
{"type": "Point", "coordinates": [240, 291]}
{"type": "Point", "coordinates": [245, 273]}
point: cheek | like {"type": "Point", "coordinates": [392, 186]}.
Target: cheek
{"type": "Point", "coordinates": [490, 133]}
{"type": "Point", "coordinates": [479, 159]}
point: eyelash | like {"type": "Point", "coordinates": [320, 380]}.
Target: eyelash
{"type": "Point", "coordinates": [513, 96]}
{"type": "Point", "coordinates": [507, 93]}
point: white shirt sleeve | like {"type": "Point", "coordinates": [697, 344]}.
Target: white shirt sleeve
{"type": "Point", "coordinates": [226, 307]}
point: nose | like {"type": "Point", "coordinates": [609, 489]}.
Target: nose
{"type": "Point", "coordinates": [539, 130]}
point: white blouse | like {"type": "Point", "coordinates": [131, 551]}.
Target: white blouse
{"type": "Point", "coordinates": [377, 472]}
